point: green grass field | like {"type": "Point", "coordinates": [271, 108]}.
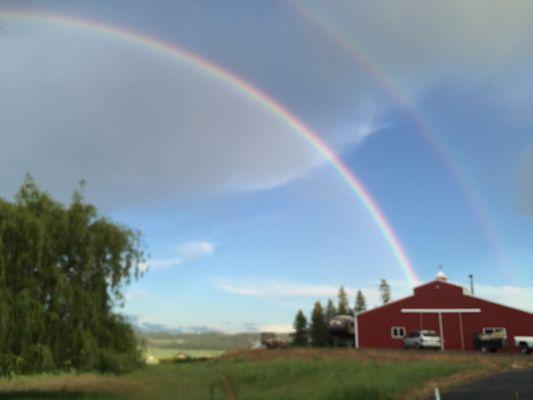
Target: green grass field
{"type": "Point", "coordinates": [284, 375]}
{"type": "Point", "coordinates": [167, 354]}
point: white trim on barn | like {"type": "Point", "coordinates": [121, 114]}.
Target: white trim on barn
{"type": "Point", "coordinates": [440, 310]}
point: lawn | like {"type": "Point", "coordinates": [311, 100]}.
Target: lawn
{"type": "Point", "coordinates": [166, 354]}
{"type": "Point", "coordinates": [285, 375]}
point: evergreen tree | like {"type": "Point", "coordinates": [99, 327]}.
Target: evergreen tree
{"type": "Point", "coordinates": [319, 329]}
{"type": "Point", "coordinates": [300, 336]}
{"type": "Point", "coordinates": [360, 302]}
{"type": "Point", "coordinates": [384, 290]}
{"type": "Point", "coordinates": [343, 307]}
{"type": "Point", "coordinates": [330, 311]}
{"type": "Point", "coordinates": [62, 272]}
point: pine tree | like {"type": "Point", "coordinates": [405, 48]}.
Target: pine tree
{"type": "Point", "coordinates": [343, 307]}
{"type": "Point", "coordinates": [360, 302]}
{"type": "Point", "coordinates": [319, 328]}
{"type": "Point", "coordinates": [330, 311]}
{"type": "Point", "coordinates": [384, 290]}
{"type": "Point", "coordinates": [300, 336]}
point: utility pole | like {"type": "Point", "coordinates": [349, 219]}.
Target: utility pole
{"type": "Point", "coordinates": [471, 284]}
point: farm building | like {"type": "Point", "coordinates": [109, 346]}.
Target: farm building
{"type": "Point", "coordinates": [446, 308]}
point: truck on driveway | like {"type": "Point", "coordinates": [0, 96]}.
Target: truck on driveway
{"type": "Point", "coordinates": [524, 343]}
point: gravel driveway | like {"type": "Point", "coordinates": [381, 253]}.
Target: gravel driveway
{"type": "Point", "coordinates": [510, 385]}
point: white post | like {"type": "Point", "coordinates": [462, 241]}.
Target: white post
{"type": "Point", "coordinates": [356, 330]}
{"type": "Point", "coordinates": [441, 332]}
{"type": "Point", "coordinates": [437, 394]}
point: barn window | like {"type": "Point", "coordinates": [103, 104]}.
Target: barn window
{"type": "Point", "coordinates": [397, 332]}
{"type": "Point", "coordinates": [502, 331]}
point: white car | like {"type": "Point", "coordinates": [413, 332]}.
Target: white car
{"type": "Point", "coordinates": [422, 340]}
{"type": "Point", "coordinates": [525, 343]}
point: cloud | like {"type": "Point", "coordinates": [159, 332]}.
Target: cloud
{"type": "Point", "coordinates": [274, 289]}
{"type": "Point", "coordinates": [526, 185]}
{"type": "Point", "coordinates": [137, 125]}
{"type": "Point", "coordinates": [194, 249]}
{"type": "Point", "coordinates": [276, 328]}
{"type": "Point", "coordinates": [514, 296]}
{"type": "Point", "coordinates": [181, 254]}
{"type": "Point", "coordinates": [446, 32]}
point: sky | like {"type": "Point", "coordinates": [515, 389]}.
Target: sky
{"type": "Point", "coordinates": [230, 135]}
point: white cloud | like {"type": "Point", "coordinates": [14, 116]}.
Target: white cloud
{"type": "Point", "coordinates": [138, 126]}
{"type": "Point", "coordinates": [276, 328]}
{"type": "Point", "coordinates": [272, 289]}
{"type": "Point", "coordinates": [181, 254]}
{"type": "Point", "coordinates": [515, 296]}
{"type": "Point", "coordinates": [164, 263]}
{"type": "Point", "coordinates": [195, 248]}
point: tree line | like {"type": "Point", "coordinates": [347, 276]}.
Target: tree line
{"type": "Point", "coordinates": [63, 269]}
{"type": "Point", "coordinates": [314, 332]}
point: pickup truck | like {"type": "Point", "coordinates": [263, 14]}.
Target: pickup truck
{"type": "Point", "coordinates": [525, 343]}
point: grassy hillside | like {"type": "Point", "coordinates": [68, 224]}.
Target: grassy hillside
{"type": "Point", "coordinates": [286, 375]}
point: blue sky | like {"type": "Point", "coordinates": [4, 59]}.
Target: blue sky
{"type": "Point", "coordinates": [245, 222]}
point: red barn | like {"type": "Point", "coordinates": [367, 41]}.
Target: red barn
{"type": "Point", "coordinates": [445, 308]}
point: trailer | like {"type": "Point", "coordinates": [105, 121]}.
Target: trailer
{"type": "Point", "coordinates": [341, 331]}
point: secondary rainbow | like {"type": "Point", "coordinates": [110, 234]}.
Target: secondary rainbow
{"type": "Point", "coordinates": [214, 70]}
{"type": "Point", "coordinates": [423, 127]}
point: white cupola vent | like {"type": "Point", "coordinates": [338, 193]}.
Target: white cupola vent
{"type": "Point", "coordinates": [441, 276]}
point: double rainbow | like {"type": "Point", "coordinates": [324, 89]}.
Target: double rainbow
{"type": "Point", "coordinates": [361, 58]}
{"type": "Point", "coordinates": [253, 93]}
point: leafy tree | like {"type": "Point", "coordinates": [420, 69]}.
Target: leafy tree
{"type": "Point", "coordinates": [384, 290]}
{"type": "Point", "coordinates": [319, 329]}
{"type": "Point", "coordinates": [300, 336]}
{"type": "Point", "coordinates": [343, 307]}
{"type": "Point", "coordinates": [62, 271]}
{"type": "Point", "coordinates": [360, 302]}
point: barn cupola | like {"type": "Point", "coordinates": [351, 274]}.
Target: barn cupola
{"type": "Point", "coordinates": [441, 276]}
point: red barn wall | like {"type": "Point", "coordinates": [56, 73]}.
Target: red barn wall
{"type": "Point", "coordinates": [375, 325]}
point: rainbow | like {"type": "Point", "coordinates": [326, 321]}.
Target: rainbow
{"type": "Point", "coordinates": [277, 109]}
{"type": "Point", "coordinates": [387, 86]}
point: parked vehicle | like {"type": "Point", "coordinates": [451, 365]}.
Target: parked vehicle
{"type": "Point", "coordinates": [491, 340]}
{"type": "Point", "coordinates": [341, 331]}
{"type": "Point", "coordinates": [271, 341]}
{"type": "Point", "coordinates": [524, 343]}
{"type": "Point", "coordinates": [423, 339]}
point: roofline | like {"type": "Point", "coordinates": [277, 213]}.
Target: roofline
{"type": "Point", "coordinates": [406, 297]}
{"type": "Point", "coordinates": [384, 305]}
{"type": "Point", "coordinates": [498, 304]}
{"type": "Point", "coordinates": [465, 293]}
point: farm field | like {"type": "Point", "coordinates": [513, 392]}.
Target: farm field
{"type": "Point", "coordinates": [327, 374]}
{"type": "Point", "coordinates": [167, 354]}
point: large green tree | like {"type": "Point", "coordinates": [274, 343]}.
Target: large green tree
{"type": "Point", "coordinates": [300, 337]}
{"type": "Point", "coordinates": [319, 329]}
{"type": "Point", "coordinates": [62, 272]}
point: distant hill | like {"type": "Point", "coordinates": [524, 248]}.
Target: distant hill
{"type": "Point", "coordinates": [200, 341]}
